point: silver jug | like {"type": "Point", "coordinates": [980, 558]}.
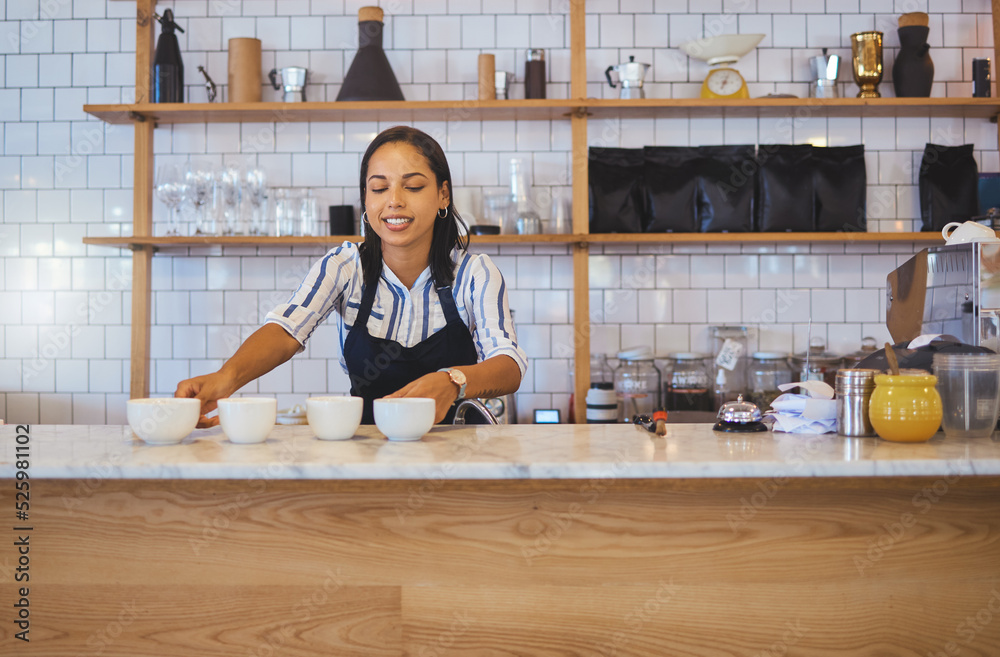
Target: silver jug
{"type": "Point", "coordinates": [630, 75]}
{"type": "Point", "coordinates": [825, 69]}
{"type": "Point", "coordinates": [293, 83]}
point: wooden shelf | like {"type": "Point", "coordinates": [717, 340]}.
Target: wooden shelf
{"type": "Point", "coordinates": [547, 109]}
{"type": "Point", "coordinates": [402, 111]}
{"type": "Point", "coordinates": [648, 108]}
{"type": "Point", "coordinates": [608, 238]}
{"type": "Point", "coordinates": [660, 238]}
{"type": "Point", "coordinates": [248, 240]}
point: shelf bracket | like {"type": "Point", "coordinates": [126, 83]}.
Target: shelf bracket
{"type": "Point", "coordinates": [135, 116]}
{"type": "Point", "coordinates": [993, 119]}
{"type": "Point", "coordinates": [142, 247]}
{"type": "Point", "coordinates": [581, 112]}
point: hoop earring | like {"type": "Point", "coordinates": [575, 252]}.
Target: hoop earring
{"type": "Point", "coordinates": [364, 216]}
{"type": "Point", "coordinates": [442, 216]}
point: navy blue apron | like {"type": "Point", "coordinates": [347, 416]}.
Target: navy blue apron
{"type": "Point", "coordinates": [378, 367]}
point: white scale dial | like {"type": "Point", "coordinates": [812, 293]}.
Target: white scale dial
{"type": "Point", "coordinates": [724, 82]}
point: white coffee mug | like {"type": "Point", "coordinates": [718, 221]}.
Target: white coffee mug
{"type": "Point", "coordinates": [247, 419]}
{"type": "Point", "coordinates": [970, 231]}
{"type": "Point", "coordinates": [334, 418]}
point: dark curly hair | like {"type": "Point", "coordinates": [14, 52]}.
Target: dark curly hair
{"type": "Point", "coordinates": [446, 235]}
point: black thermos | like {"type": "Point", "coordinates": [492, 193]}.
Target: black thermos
{"type": "Point", "coordinates": [168, 70]}
{"type": "Point", "coordinates": [534, 74]}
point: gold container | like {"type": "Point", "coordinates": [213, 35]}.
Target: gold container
{"type": "Point", "coordinates": [866, 51]}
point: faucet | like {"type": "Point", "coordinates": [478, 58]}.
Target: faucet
{"type": "Point", "coordinates": [478, 406]}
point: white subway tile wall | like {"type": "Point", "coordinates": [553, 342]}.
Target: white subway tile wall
{"type": "Point", "coordinates": [64, 329]}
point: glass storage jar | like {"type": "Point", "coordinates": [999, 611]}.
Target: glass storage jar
{"type": "Point", "coordinates": [822, 365]}
{"type": "Point", "coordinates": [637, 383]}
{"type": "Point", "coordinates": [768, 370]}
{"type": "Point", "coordinates": [687, 387]}
{"type": "Point", "coordinates": [729, 375]}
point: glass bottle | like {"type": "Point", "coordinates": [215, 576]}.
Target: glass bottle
{"type": "Point", "coordinates": [534, 74]}
{"type": "Point", "coordinates": [729, 345]}
{"type": "Point", "coordinates": [168, 69]}
{"type": "Point", "coordinates": [526, 221]}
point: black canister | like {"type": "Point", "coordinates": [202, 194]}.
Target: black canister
{"type": "Point", "coordinates": [168, 70]}
{"type": "Point", "coordinates": [981, 77]}
{"type": "Point", "coordinates": [534, 74]}
{"type": "Point", "coordinates": [370, 76]}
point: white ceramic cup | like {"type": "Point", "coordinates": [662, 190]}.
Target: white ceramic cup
{"type": "Point", "coordinates": [970, 231]}
{"type": "Point", "coordinates": [248, 419]}
{"type": "Point", "coordinates": [334, 418]}
{"type": "Point", "coordinates": [407, 418]}
{"type": "Point", "coordinates": [163, 421]}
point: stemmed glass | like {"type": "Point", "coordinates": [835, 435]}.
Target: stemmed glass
{"type": "Point", "coordinates": [255, 184]}
{"type": "Point", "coordinates": [227, 189]}
{"type": "Point", "coordinates": [199, 192]}
{"type": "Point", "coordinates": [170, 189]}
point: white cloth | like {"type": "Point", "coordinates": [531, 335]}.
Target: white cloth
{"type": "Point", "coordinates": [407, 316]}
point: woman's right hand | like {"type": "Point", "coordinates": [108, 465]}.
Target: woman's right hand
{"type": "Point", "coordinates": [209, 388]}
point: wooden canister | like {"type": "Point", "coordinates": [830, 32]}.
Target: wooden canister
{"type": "Point", "coordinates": [244, 70]}
{"type": "Point", "coordinates": [487, 69]}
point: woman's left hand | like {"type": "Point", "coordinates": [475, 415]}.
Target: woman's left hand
{"type": "Point", "coordinates": [437, 386]}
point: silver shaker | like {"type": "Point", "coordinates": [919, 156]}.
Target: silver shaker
{"type": "Point", "coordinates": [854, 393]}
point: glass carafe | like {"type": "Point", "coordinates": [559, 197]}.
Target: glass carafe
{"type": "Point", "coordinates": [526, 221]}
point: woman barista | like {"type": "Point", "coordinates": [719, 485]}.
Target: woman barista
{"type": "Point", "coordinates": [420, 316]}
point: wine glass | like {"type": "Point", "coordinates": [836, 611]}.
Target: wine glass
{"type": "Point", "coordinates": [227, 199]}
{"type": "Point", "coordinates": [199, 178]}
{"type": "Point", "coordinates": [170, 189]}
{"type": "Point", "coordinates": [255, 185]}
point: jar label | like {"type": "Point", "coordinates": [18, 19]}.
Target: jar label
{"type": "Point", "coordinates": [729, 355]}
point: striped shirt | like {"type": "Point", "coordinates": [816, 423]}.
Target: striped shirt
{"type": "Point", "coordinates": [407, 316]}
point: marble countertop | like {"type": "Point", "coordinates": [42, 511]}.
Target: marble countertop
{"type": "Point", "coordinates": [482, 452]}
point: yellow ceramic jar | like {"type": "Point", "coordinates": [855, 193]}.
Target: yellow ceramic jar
{"type": "Point", "coordinates": [905, 408]}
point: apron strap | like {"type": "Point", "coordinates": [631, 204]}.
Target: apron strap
{"type": "Point", "coordinates": [365, 310]}
{"type": "Point", "coordinates": [447, 300]}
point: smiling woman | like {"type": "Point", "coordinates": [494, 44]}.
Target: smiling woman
{"type": "Point", "coordinates": [419, 315]}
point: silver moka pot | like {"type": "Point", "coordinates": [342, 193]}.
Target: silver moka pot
{"type": "Point", "coordinates": [630, 75]}
{"type": "Point", "coordinates": [293, 83]}
{"type": "Point", "coordinates": [825, 69]}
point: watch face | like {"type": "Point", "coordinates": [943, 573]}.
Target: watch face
{"type": "Point", "coordinates": [724, 82]}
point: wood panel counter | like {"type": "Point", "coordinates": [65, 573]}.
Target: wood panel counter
{"type": "Point", "coordinates": [522, 540]}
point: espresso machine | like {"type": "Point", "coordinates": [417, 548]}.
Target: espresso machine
{"type": "Point", "coordinates": [952, 289]}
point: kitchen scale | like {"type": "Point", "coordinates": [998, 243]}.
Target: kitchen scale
{"type": "Point", "coordinates": [723, 82]}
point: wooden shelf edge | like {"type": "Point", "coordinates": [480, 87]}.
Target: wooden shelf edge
{"type": "Point", "coordinates": [536, 109]}
{"type": "Point", "coordinates": [608, 238]}
{"type": "Point", "coordinates": [237, 240]}
{"type": "Point", "coordinates": [664, 238]}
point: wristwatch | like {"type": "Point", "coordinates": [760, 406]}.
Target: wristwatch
{"type": "Point", "coordinates": [458, 378]}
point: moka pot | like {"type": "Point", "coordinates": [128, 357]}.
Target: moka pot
{"type": "Point", "coordinates": [630, 76]}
